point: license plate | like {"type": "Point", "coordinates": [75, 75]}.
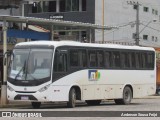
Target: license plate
{"type": "Point", "coordinates": [24, 98]}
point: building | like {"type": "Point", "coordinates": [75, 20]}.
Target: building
{"type": "Point", "coordinates": [9, 7]}
{"type": "Point", "coordinates": [122, 14]}
{"type": "Point", "coordinates": [116, 13]}
{"type": "Point", "coordinates": [103, 12]}
{"type": "Point", "coordinates": [68, 10]}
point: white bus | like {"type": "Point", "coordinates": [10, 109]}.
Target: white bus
{"type": "Point", "coordinates": [49, 71]}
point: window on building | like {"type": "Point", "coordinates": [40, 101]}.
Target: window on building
{"type": "Point", "coordinates": [52, 6]}
{"type": "Point", "coordinates": [152, 38]}
{"type": "Point", "coordinates": [68, 5]}
{"type": "Point", "coordinates": [62, 33]}
{"type": "Point", "coordinates": [145, 37]}
{"type": "Point", "coordinates": [37, 7]}
{"type": "Point", "coordinates": [153, 11]}
{"type": "Point", "coordinates": [84, 36]}
{"type": "Point", "coordinates": [135, 7]}
{"type": "Point", "coordinates": [45, 6]}
{"type": "Point", "coordinates": [75, 5]}
{"type": "Point", "coordinates": [146, 9]}
{"type": "Point", "coordinates": [34, 7]}
{"type": "Point", "coordinates": [156, 39]}
{"type": "Point", "coordinates": [84, 5]}
{"type": "Point", "coordinates": [62, 5]}
{"type": "Point", "coordinates": [72, 5]}
{"type": "Point", "coordinates": [49, 6]}
{"type": "Point", "coordinates": [156, 12]}
{"type": "Point", "coordinates": [134, 35]}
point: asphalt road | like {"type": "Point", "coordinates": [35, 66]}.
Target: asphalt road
{"type": "Point", "coordinates": [149, 105]}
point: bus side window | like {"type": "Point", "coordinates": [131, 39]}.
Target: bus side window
{"type": "Point", "coordinates": [133, 60]}
{"type": "Point", "coordinates": [74, 58]}
{"type": "Point", "coordinates": [83, 58]}
{"type": "Point", "coordinates": [60, 62]}
{"type": "Point", "coordinates": [116, 59]}
{"type": "Point", "coordinates": [100, 57]}
{"type": "Point", "coordinates": [150, 60]}
{"type": "Point", "coordinates": [107, 59]}
{"type": "Point", "coordinates": [130, 60]}
{"type": "Point", "coordinates": [138, 60]}
{"type": "Point", "coordinates": [144, 60]}
{"type": "Point", "coordinates": [92, 58]}
{"type": "Point", "coordinates": [125, 61]}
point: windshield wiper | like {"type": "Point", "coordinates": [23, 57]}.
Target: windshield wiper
{"type": "Point", "coordinates": [23, 68]}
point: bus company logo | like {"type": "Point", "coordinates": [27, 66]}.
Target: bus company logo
{"type": "Point", "coordinates": [6, 114]}
{"type": "Point", "coordinates": [93, 75]}
{"type": "Point", "coordinates": [21, 114]}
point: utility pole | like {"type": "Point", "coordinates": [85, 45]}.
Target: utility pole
{"type": "Point", "coordinates": [4, 83]}
{"type": "Point", "coordinates": [102, 21]}
{"type": "Point", "coordinates": [137, 20]}
{"type": "Point", "coordinates": [137, 24]}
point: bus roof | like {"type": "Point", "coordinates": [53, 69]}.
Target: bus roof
{"type": "Point", "coordinates": [74, 43]}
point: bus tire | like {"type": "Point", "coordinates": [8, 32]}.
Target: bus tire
{"type": "Point", "coordinates": [36, 105]}
{"type": "Point", "coordinates": [72, 98]}
{"type": "Point", "coordinates": [127, 97]}
{"type": "Point", "coordinates": [93, 102]}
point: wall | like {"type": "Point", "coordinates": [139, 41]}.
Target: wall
{"type": "Point", "coordinates": [84, 16]}
{"type": "Point", "coordinates": [119, 13]}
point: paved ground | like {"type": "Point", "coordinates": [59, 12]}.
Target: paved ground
{"type": "Point", "coordinates": [149, 104]}
{"type": "Point", "coordinates": [13, 105]}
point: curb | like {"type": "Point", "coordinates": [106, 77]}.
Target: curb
{"type": "Point", "coordinates": [151, 97]}
{"type": "Point", "coordinates": [14, 105]}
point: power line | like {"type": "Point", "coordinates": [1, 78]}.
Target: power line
{"type": "Point", "coordinates": [149, 42]}
{"type": "Point", "coordinates": [151, 27]}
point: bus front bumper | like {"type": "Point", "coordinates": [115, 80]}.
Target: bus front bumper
{"type": "Point", "coordinates": [49, 95]}
{"type": "Point", "coordinates": [17, 96]}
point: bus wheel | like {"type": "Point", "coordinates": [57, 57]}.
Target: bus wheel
{"type": "Point", "coordinates": [36, 105]}
{"type": "Point", "coordinates": [93, 102]}
{"type": "Point", "coordinates": [72, 98]}
{"type": "Point", "coordinates": [127, 97]}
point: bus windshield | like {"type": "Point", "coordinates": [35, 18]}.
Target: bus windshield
{"type": "Point", "coordinates": [31, 64]}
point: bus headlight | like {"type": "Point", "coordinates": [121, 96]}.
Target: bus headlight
{"type": "Point", "coordinates": [10, 88]}
{"type": "Point", "coordinates": [44, 88]}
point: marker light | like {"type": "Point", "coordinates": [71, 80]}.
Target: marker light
{"type": "Point", "coordinates": [10, 88]}
{"type": "Point", "coordinates": [44, 88]}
